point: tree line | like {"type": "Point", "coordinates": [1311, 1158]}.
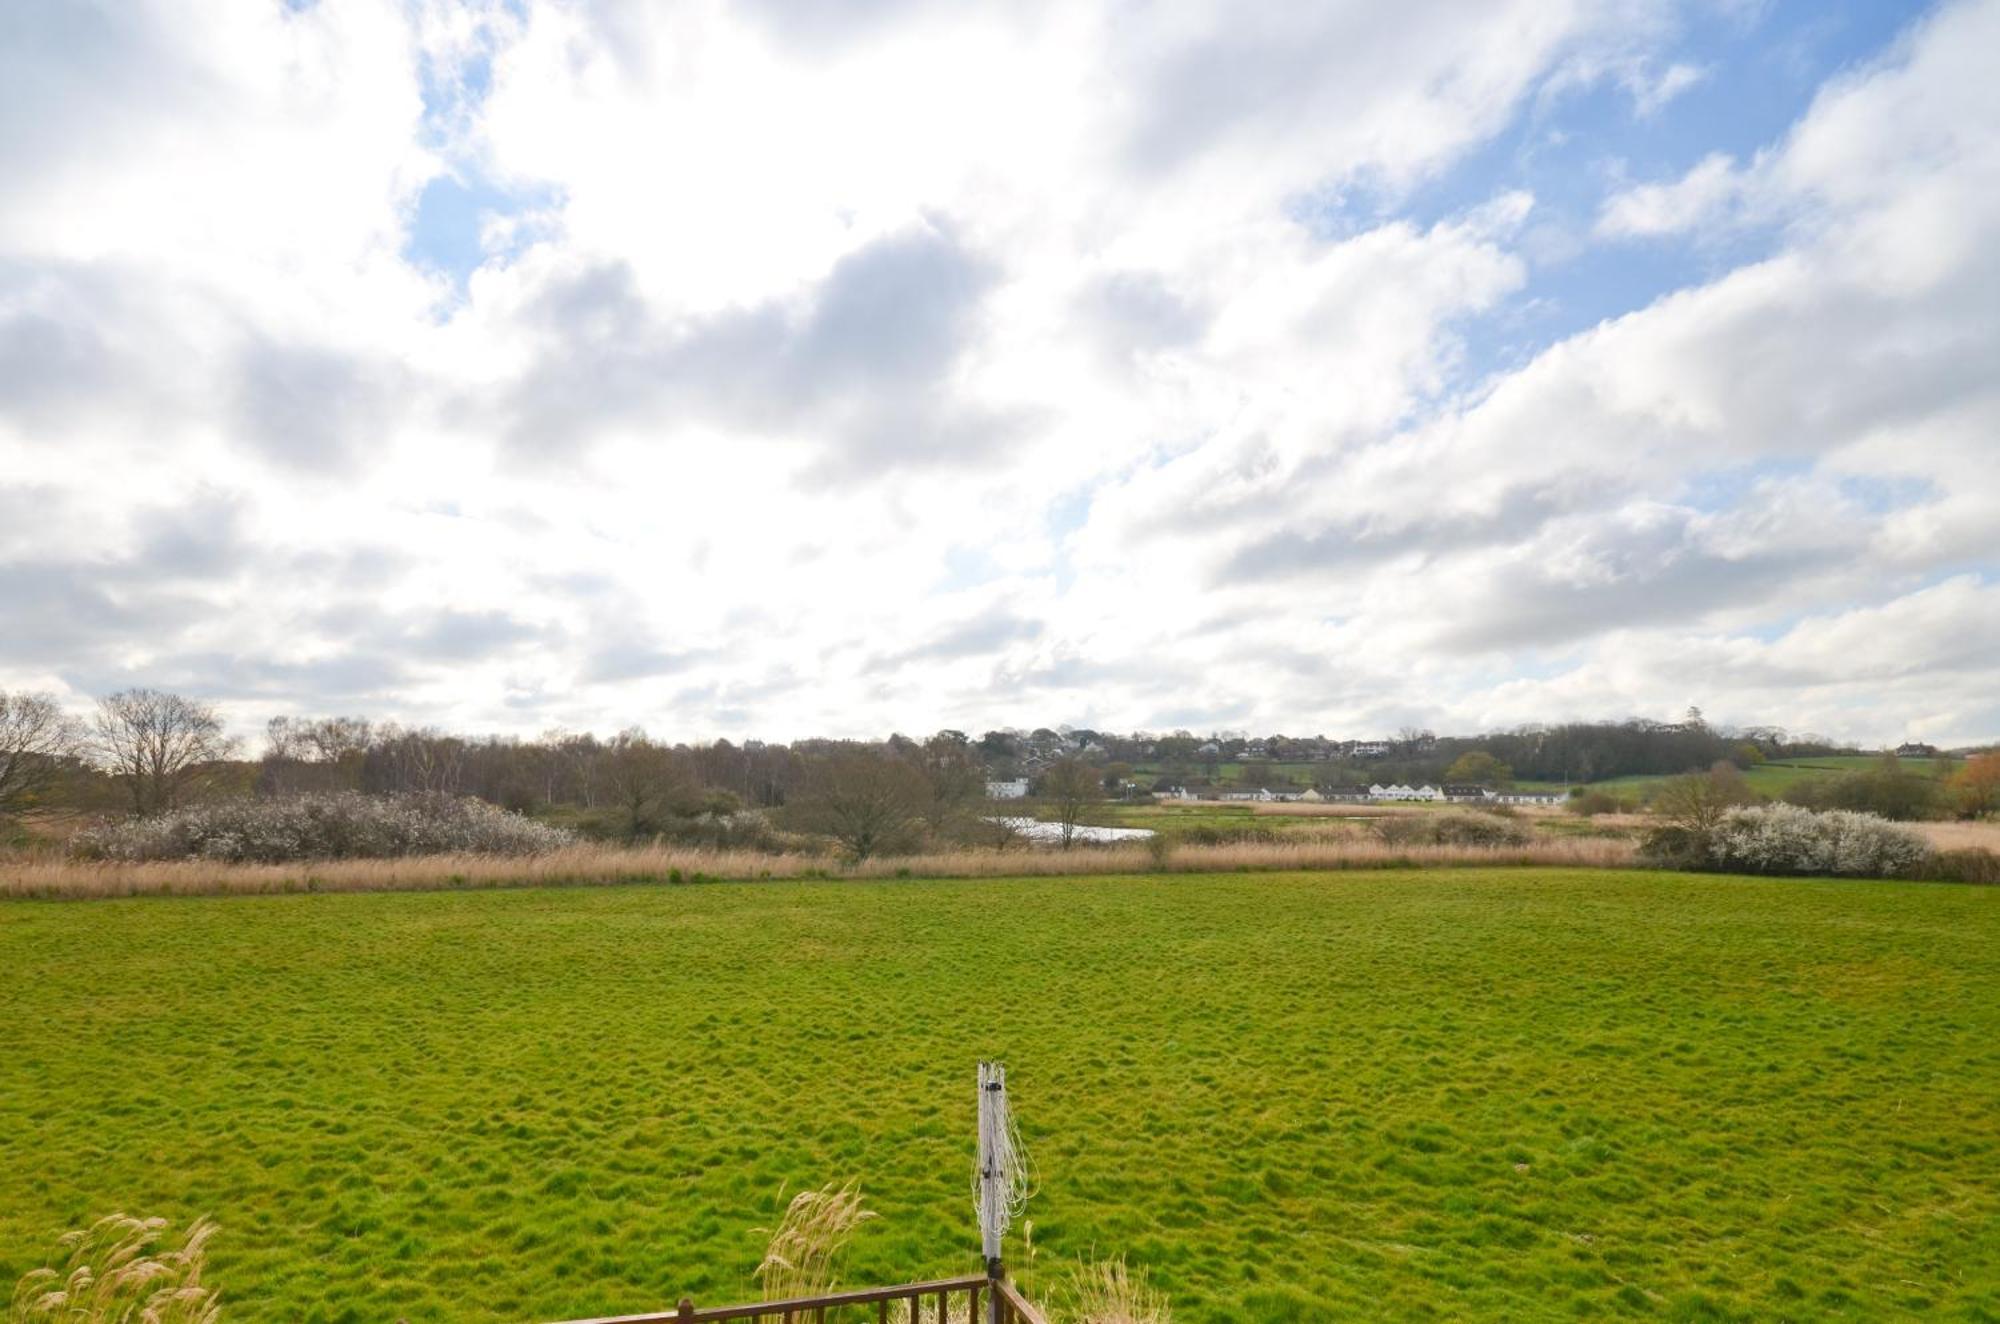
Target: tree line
{"type": "Point", "coordinates": [143, 752]}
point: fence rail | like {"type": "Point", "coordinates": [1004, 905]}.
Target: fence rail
{"type": "Point", "coordinates": [934, 1302]}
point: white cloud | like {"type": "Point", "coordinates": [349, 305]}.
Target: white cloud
{"type": "Point", "coordinates": [1701, 197]}
{"type": "Point", "coordinates": [901, 365]}
{"type": "Point", "coordinates": [1650, 95]}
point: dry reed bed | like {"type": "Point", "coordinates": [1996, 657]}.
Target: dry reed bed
{"type": "Point", "coordinates": [1984, 835]}
{"type": "Point", "coordinates": [584, 866]}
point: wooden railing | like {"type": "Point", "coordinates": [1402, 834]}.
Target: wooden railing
{"type": "Point", "coordinates": [933, 1302]}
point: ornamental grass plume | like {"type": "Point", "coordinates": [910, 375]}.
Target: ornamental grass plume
{"type": "Point", "coordinates": [118, 1271]}
{"type": "Point", "coordinates": [799, 1258]}
{"type": "Point", "coordinates": [1108, 1292]}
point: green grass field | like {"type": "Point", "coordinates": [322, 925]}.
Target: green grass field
{"type": "Point", "coordinates": [1177, 820]}
{"type": "Point", "coordinates": [1771, 779]}
{"type": "Point", "coordinates": [1774, 779]}
{"type": "Point", "coordinates": [1459, 1094]}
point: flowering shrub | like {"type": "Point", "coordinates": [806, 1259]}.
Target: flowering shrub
{"type": "Point", "coordinates": [329, 825]}
{"type": "Point", "coordinates": [1785, 839]}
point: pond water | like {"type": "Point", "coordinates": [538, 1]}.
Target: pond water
{"type": "Point", "coordinates": [1036, 830]}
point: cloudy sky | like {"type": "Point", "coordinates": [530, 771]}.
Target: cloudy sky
{"type": "Point", "coordinates": [801, 367]}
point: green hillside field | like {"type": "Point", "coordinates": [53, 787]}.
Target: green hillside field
{"type": "Point", "coordinates": [1467, 1094]}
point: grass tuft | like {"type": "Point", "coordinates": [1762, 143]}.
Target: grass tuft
{"type": "Point", "coordinates": [800, 1255]}
{"type": "Point", "coordinates": [1109, 1292]}
{"type": "Point", "coordinates": [117, 1271]}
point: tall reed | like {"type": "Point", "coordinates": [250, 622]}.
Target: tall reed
{"type": "Point", "coordinates": [585, 866]}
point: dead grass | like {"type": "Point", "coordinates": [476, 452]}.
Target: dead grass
{"type": "Point", "coordinates": [587, 866]}
{"type": "Point", "coordinates": [800, 1255]}
{"type": "Point", "coordinates": [1337, 809]}
{"type": "Point", "coordinates": [115, 1272]}
{"type": "Point", "coordinates": [1107, 1292]}
{"type": "Point", "coordinates": [1961, 836]}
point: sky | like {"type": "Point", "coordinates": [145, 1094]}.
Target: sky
{"type": "Point", "coordinates": [833, 367]}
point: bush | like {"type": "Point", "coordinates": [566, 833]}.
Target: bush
{"type": "Point", "coordinates": [1972, 865]}
{"type": "Point", "coordinates": [1886, 791]}
{"type": "Point", "coordinates": [1785, 839]}
{"type": "Point", "coordinates": [1674, 847]}
{"type": "Point", "coordinates": [1589, 804]}
{"type": "Point", "coordinates": [1452, 829]}
{"type": "Point", "coordinates": [1210, 834]}
{"type": "Point", "coordinates": [330, 825]}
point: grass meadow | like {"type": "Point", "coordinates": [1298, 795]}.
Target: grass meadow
{"type": "Point", "coordinates": [1503, 1094]}
{"type": "Point", "coordinates": [1774, 779]}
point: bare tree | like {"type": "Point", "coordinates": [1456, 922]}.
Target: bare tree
{"type": "Point", "coordinates": [643, 780]}
{"type": "Point", "coordinates": [314, 753]}
{"type": "Point", "coordinates": [1697, 802]}
{"type": "Point", "coordinates": [158, 744]}
{"type": "Point", "coordinates": [869, 801]}
{"type": "Point", "coordinates": [36, 738]}
{"type": "Point", "coordinates": [1071, 786]}
{"type": "Point", "coordinates": [953, 776]}
{"type": "Point", "coordinates": [414, 759]}
{"type": "Point", "coordinates": [582, 760]}
{"type": "Point", "coordinates": [339, 739]}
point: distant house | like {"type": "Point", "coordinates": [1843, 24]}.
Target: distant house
{"type": "Point", "coordinates": [1013, 790]}
{"type": "Point", "coordinates": [1465, 791]}
{"type": "Point", "coordinates": [1402, 792]}
{"type": "Point", "coordinates": [1367, 749]}
{"type": "Point", "coordinates": [1527, 797]}
{"type": "Point", "coordinates": [1173, 793]}
{"type": "Point", "coordinates": [1343, 793]}
{"type": "Point", "coordinates": [1310, 795]}
{"type": "Point", "coordinates": [1914, 750]}
{"type": "Point", "coordinates": [1259, 794]}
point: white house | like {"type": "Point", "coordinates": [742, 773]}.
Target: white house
{"type": "Point", "coordinates": [1527, 797]}
{"type": "Point", "coordinates": [1402, 792]}
{"type": "Point", "coordinates": [1013, 790]}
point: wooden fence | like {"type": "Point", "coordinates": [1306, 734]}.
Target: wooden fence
{"type": "Point", "coordinates": [935, 1302]}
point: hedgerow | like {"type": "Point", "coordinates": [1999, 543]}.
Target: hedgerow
{"type": "Point", "coordinates": [332, 825]}
{"type": "Point", "coordinates": [1785, 839]}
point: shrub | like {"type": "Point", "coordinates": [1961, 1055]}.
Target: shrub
{"type": "Point", "coordinates": [1698, 801]}
{"type": "Point", "coordinates": [1210, 834]}
{"type": "Point", "coordinates": [1885, 791]}
{"type": "Point", "coordinates": [1785, 839]}
{"type": "Point", "coordinates": [1971, 865]}
{"type": "Point", "coordinates": [330, 825]}
{"type": "Point", "coordinates": [1674, 847]}
{"type": "Point", "coordinates": [1452, 829]}
{"type": "Point", "coordinates": [1589, 804]}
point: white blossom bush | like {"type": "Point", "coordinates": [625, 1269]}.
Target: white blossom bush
{"type": "Point", "coordinates": [1785, 839]}
{"type": "Point", "coordinates": [323, 826]}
